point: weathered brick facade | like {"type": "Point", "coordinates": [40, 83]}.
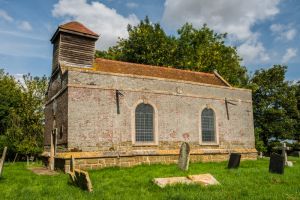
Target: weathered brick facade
{"type": "Point", "coordinates": [90, 129]}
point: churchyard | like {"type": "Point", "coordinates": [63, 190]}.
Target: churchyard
{"type": "Point", "coordinates": [251, 180]}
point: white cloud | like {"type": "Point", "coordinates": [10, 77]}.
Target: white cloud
{"type": "Point", "coordinates": [5, 16]}
{"type": "Point", "coordinates": [232, 16]}
{"type": "Point", "coordinates": [289, 54]}
{"type": "Point", "coordinates": [252, 51]}
{"type": "Point", "coordinates": [132, 5]}
{"type": "Point", "coordinates": [25, 26]}
{"type": "Point", "coordinates": [20, 78]}
{"type": "Point", "coordinates": [283, 32]}
{"type": "Point", "coordinates": [98, 17]}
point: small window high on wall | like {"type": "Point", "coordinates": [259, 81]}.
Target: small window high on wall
{"type": "Point", "coordinates": [208, 125]}
{"type": "Point", "coordinates": [144, 123]}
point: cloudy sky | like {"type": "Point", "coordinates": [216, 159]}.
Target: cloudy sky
{"type": "Point", "coordinates": [265, 32]}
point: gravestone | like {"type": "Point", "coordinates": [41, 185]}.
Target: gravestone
{"type": "Point", "coordinates": [284, 154]}
{"type": "Point", "coordinates": [200, 179]}
{"type": "Point", "coordinates": [234, 160]}
{"type": "Point", "coordinates": [276, 163]}
{"type": "Point", "coordinates": [80, 178]}
{"type": "Point", "coordinates": [72, 168]}
{"type": "Point", "coordinates": [2, 161]}
{"type": "Point", "coordinates": [184, 156]}
{"type": "Point", "coordinates": [72, 164]}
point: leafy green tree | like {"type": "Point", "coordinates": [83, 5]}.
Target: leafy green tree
{"type": "Point", "coordinates": [297, 88]}
{"type": "Point", "coordinates": [24, 124]}
{"type": "Point", "coordinates": [147, 44]}
{"type": "Point", "coordinates": [275, 105]}
{"type": "Point", "coordinates": [204, 50]}
{"type": "Point", "coordinates": [194, 49]}
{"type": "Point", "coordinates": [10, 98]}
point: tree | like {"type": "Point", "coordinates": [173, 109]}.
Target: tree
{"type": "Point", "coordinates": [204, 50]}
{"type": "Point", "coordinates": [297, 88]}
{"type": "Point", "coordinates": [24, 124]}
{"type": "Point", "coordinates": [147, 44]}
{"type": "Point", "coordinates": [194, 49]}
{"type": "Point", "coordinates": [274, 105]}
{"type": "Point", "coordinates": [10, 98]}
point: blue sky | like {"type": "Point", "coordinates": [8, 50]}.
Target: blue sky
{"type": "Point", "coordinates": [264, 32]}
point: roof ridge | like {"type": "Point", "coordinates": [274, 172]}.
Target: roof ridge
{"type": "Point", "coordinates": [76, 29]}
{"type": "Point", "coordinates": [165, 67]}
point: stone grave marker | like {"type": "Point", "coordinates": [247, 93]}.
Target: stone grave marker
{"type": "Point", "coordinates": [80, 178]}
{"type": "Point", "coordinates": [234, 160]}
{"type": "Point", "coordinates": [200, 179]}
{"type": "Point", "coordinates": [184, 156]}
{"type": "Point", "coordinates": [276, 163]}
{"type": "Point", "coordinates": [284, 154]}
{"type": "Point", "coordinates": [2, 161]}
{"type": "Point", "coordinates": [83, 180]}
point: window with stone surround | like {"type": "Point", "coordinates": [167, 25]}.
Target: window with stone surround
{"type": "Point", "coordinates": [208, 125]}
{"type": "Point", "coordinates": [144, 123]}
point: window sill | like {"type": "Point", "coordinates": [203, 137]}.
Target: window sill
{"type": "Point", "coordinates": [209, 144]}
{"type": "Point", "coordinates": [143, 144]}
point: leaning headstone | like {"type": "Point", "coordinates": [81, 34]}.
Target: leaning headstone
{"type": "Point", "coordinates": [276, 163]}
{"type": "Point", "coordinates": [2, 160]}
{"type": "Point", "coordinates": [72, 168]}
{"type": "Point", "coordinates": [234, 160]}
{"type": "Point", "coordinates": [72, 164]}
{"type": "Point", "coordinates": [82, 180]}
{"type": "Point", "coordinates": [184, 156]}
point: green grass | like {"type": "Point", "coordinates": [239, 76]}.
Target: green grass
{"type": "Point", "coordinates": [251, 181]}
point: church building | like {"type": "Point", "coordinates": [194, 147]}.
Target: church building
{"type": "Point", "coordinates": [112, 113]}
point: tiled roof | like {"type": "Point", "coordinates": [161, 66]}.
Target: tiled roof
{"type": "Point", "coordinates": [77, 27]}
{"type": "Point", "coordinates": [111, 66]}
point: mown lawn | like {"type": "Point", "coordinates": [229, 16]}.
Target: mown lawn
{"type": "Point", "coordinates": [251, 181]}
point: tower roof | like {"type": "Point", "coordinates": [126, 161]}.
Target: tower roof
{"type": "Point", "coordinates": [75, 28]}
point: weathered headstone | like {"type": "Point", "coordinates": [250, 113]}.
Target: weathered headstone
{"type": "Point", "coordinates": [276, 163]}
{"type": "Point", "coordinates": [80, 178]}
{"type": "Point", "coordinates": [234, 160]}
{"type": "Point", "coordinates": [72, 164]}
{"type": "Point", "coordinates": [2, 161]}
{"type": "Point", "coordinates": [184, 156]}
{"type": "Point", "coordinates": [72, 168]}
{"type": "Point", "coordinates": [284, 154]}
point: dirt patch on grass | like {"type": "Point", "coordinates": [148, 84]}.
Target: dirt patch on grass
{"type": "Point", "coordinates": [43, 171]}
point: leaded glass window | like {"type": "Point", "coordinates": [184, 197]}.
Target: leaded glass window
{"type": "Point", "coordinates": [144, 115]}
{"type": "Point", "coordinates": [208, 125]}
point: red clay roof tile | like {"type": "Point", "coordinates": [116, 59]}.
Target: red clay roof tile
{"type": "Point", "coordinates": [113, 66]}
{"type": "Point", "coordinates": [77, 27]}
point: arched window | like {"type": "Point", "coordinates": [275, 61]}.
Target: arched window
{"type": "Point", "coordinates": [208, 125]}
{"type": "Point", "coordinates": [144, 123]}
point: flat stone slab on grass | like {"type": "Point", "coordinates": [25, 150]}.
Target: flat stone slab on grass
{"type": "Point", "coordinates": [203, 179]}
{"type": "Point", "coordinates": [43, 171]}
{"type": "Point", "coordinates": [163, 182]}
{"type": "Point", "coordinates": [200, 179]}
